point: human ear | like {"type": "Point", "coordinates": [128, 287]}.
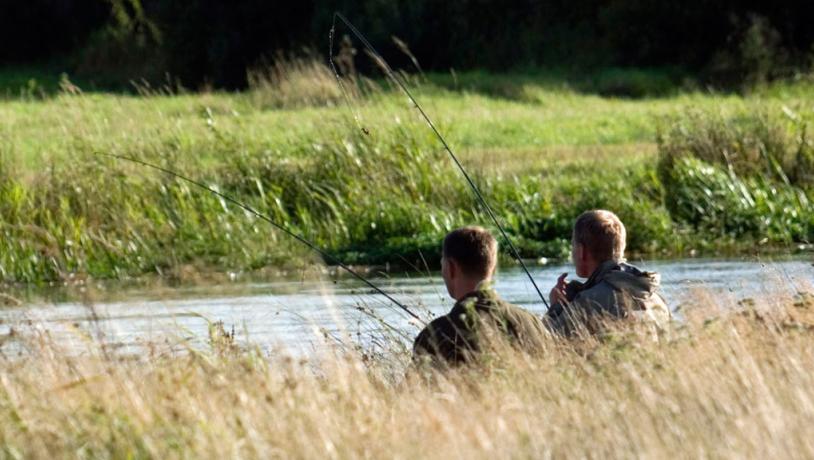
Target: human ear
{"type": "Point", "coordinates": [576, 253]}
{"type": "Point", "coordinates": [452, 268]}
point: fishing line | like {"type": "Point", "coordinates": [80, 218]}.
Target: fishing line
{"type": "Point", "coordinates": [391, 74]}
{"type": "Point", "coordinates": [249, 209]}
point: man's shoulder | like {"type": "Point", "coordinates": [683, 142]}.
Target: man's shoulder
{"type": "Point", "coordinates": [597, 295]}
{"type": "Point", "coordinates": [442, 328]}
{"type": "Point", "coordinates": [441, 323]}
{"type": "Point", "coordinates": [444, 339]}
{"type": "Point", "coordinates": [520, 313]}
{"type": "Point", "coordinates": [493, 306]}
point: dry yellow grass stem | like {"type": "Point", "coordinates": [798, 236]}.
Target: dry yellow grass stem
{"type": "Point", "coordinates": [726, 385]}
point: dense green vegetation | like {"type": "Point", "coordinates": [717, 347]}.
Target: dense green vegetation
{"type": "Point", "coordinates": [690, 171]}
{"type": "Point", "coordinates": [689, 119]}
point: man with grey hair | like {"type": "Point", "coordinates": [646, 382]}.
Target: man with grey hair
{"type": "Point", "coordinates": [613, 290]}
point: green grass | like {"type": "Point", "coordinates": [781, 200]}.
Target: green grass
{"type": "Point", "coordinates": [541, 156]}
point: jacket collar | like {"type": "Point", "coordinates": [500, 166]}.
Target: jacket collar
{"type": "Point", "coordinates": [575, 287]}
{"type": "Point", "coordinates": [483, 291]}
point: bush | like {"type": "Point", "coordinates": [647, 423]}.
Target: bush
{"type": "Point", "coordinates": [742, 176]}
{"type": "Point", "coordinates": [753, 55]}
{"type": "Point", "coordinates": [752, 144]}
{"type": "Point", "coordinates": [633, 83]}
{"type": "Point", "coordinates": [128, 48]}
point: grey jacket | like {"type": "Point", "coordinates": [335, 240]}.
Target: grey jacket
{"type": "Point", "coordinates": [615, 290]}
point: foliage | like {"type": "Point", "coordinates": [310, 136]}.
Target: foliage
{"type": "Point", "coordinates": [128, 48]}
{"type": "Point", "coordinates": [747, 175]}
{"type": "Point", "coordinates": [206, 42]}
{"type": "Point", "coordinates": [298, 82]}
{"type": "Point", "coordinates": [369, 183]}
{"type": "Point", "coordinates": [753, 55]}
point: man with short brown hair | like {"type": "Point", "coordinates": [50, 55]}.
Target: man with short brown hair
{"type": "Point", "coordinates": [479, 317]}
{"type": "Point", "coordinates": [614, 289]}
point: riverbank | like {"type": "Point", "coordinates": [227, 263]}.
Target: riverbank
{"type": "Point", "coordinates": [367, 181]}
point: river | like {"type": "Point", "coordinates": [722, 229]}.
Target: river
{"type": "Point", "coordinates": [296, 314]}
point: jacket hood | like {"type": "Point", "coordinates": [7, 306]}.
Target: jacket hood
{"type": "Point", "coordinates": [630, 279]}
{"type": "Point", "coordinates": [622, 277]}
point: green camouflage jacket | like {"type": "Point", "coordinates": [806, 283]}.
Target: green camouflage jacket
{"type": "Point", "coordinates": [473, 324]}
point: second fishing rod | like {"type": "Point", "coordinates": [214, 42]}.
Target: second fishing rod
{"type": "Point", "coordinates": [478, 195]}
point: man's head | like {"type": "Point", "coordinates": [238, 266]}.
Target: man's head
{"type": "Point", "coordinates": [469, 257]}
{"type": "Point", "coordinates": [598, 236]}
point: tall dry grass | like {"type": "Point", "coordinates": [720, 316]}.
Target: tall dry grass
{"type": "Point", "coordinates": [298, 82]}
{"type": "Point", "coordinates": [729, 384]}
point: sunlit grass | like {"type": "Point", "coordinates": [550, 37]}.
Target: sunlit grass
{"type": "Point", "coordinates": [730, 383]}
{"type": "Point", "coordinates": [471, 120]}
{"type": "Point", "coordinates": [365, 180]}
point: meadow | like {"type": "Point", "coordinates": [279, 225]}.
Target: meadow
{"type": "Point", "coordinates": [688, 170]}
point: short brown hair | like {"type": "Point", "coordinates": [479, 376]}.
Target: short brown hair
{"type": "Point", "coordinates": [475, 250]}
{"type": "Point", "coordinates": [602, 234]}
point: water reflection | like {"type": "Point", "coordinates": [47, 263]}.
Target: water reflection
{"type": "Point", "coordinates": [297, 314]}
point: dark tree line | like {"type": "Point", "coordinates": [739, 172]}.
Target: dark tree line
{"type": "Point", "coordinates": [34, 30]}
{"type": "Point", "coordinates": [214, 41]}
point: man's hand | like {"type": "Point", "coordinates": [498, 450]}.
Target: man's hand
{"type": "Point", "coordinates": [557, 294]}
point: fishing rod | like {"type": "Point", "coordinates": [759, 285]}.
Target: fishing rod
{"type": "Point", "coordinates": [391, 74]}
{"type": "Point", "coordinates": [249, 209]}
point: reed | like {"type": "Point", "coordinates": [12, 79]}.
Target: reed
{"type": "Point", "coordinates": [733, 381]}
{"type": "Point", "coordinates": [746, 176]}
{"type": "Point", "coordinates": [295, 82]}
{"type": "Point", "coordinates": [368, 183]}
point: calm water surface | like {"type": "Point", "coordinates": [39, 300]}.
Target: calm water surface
{"type": "Point", "coordinates": [298, 314]}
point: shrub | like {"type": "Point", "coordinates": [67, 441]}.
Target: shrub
{"type": "Point", "coordinates": [633, 83]}
{"type": "Point", "coordinates": [128, 48]}
{"type": "Point", "coordinates": [745, 175]}
{"type": "Point", "coordinates": [753, 55]}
